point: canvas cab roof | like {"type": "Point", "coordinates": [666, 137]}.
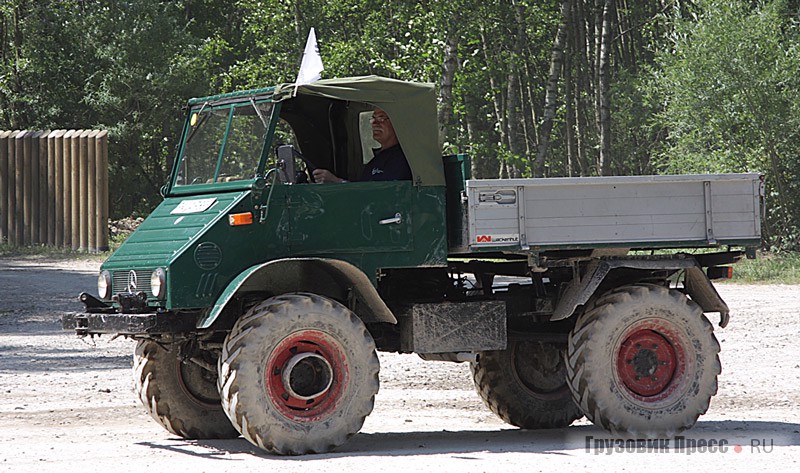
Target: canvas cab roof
{"type": "Point", "coordinates": [324, 116]}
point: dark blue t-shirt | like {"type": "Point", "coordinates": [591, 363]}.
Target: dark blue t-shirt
{"type": "Point", "coordinates": [388, 165]}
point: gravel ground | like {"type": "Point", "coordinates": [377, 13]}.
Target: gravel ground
{"type": "Point", "coordinates": [67, 404]}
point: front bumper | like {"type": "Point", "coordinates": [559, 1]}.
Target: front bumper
{"type": "Point", "coordinates": [129, 324]}
{"type": "Point", "coordinates": [100, 318]}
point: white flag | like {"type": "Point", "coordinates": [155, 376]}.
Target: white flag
{"type": "Point", "coordinates": [311, 66]}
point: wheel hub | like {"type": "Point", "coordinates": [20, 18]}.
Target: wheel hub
{"type": "Point", "coordinates": [305, 375]}
{"type": "Point", "coordinates": [646, 363]}
{"type": "Point", "coordinates": [540, 367]}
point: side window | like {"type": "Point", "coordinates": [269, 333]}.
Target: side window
{"type": "Point", "coordinates": [365, 131]}
{"type": "Point", "coordinates": [284, 135]}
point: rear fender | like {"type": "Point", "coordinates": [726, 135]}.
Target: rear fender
{"type": "Point", "coordinates": [698, 286]}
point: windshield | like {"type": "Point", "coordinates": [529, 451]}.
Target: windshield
{"type": "Point", "coordinates": [223, 143]}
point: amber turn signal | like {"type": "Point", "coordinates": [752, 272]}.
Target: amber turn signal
{"type": "Point", "coordinates": [240, 219]}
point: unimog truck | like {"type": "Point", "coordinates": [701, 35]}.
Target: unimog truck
{"type": "Point", "coordinates": [258, 300]}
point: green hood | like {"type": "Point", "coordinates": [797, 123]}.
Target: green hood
{"type": "Point", "coordinates": [173, 226]}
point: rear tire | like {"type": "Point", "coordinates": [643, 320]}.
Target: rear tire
{"type": "Point", "coordinates": [181, 396]}
{"type": "Point", "coordinates": [643, 362]}
{"type": "Point", "coordinates": [298, 374]}
{"type": "Point", "coordinates": [525, 385]}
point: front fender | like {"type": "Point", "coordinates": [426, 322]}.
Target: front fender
{"type": "Point", "coordinates": [327, 277]}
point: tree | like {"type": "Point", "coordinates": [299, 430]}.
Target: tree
{"type": "Point", "coordinates": [528, 88]}
{"type": "Point", "coordinates": [732, 99]}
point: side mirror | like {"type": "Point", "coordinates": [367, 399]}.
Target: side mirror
{"type": "Point", "coordinates": [286, 167]}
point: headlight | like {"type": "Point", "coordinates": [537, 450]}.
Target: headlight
{"type": "Point", "coordinates": [158, 283]}
{"type": "Point", "coordinates": [104, 285]}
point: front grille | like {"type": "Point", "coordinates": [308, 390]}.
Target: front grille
{"type": "Point", "coordinates": [119, 281]}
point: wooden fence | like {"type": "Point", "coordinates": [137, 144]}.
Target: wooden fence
{"type": "Point", "coordinates": [54, 188]}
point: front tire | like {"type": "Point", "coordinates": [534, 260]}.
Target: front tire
{"type": "Point", "coordinates": [643, 362]}
{"type": "Point", "coordinates": [298, 374]}
{"type": "Point", "coordinates": [525, 385]}
{"type": "Point", "coordinates": [181, 396]}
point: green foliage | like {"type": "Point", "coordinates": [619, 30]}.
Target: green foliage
{"type": "Point", "coordinates": [704, 86]}
{"type": "Point", "coordinates": [732, 93]}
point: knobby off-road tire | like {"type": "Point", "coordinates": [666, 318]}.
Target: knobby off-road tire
{"type": "Point", "coordinates": [181, 396]}
{"type": "Point", "coordinates": [298, 374]}
{"type": "Point", "coordinates": [643, 362]}
{"type": "Point", "coordinates": [525, 385]}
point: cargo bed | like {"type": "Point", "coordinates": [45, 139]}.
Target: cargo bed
{"type": "Point", "coordinates": [674, 211]}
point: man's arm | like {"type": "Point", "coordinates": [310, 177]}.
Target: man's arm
{"type": "Point", "coordinates": [323, 175]}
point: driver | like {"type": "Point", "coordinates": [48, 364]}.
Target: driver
{"type": "Point", "coordinates": [389, 163]}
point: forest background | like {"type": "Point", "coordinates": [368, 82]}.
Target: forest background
{"type": "Point", "coordinates": [527, 88]}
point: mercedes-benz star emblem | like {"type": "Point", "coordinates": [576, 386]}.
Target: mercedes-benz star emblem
{"type": "Point", "coordinates": [132, 281]}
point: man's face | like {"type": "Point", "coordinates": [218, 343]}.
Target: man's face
{"type": "Point", "coordinates": [382, 129]}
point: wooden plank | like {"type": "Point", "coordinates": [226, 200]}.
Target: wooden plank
{"type": "Point", "coordinates": [75, 185]}
{"type": "Point", "coordinates": [19, 178]}
{"type": "Point", "coordinates": [51, 188]}
{"type": "Point", "coordinates": [58, 188]}
{"type": "Point", "coordinates": [11, 189]}
{"type": "Point", "coordinates": [4, 184]}
{"type": "Point", "coordinates": [41, 186]}
{"type": "Point", "coordinates": [66, 187]}
{"type": "Point", "coordinates": [83, 190]}
{"type": "Point", "coordinates": [91, 192]}
{"type": "Point", "coordinates": [102, 188]}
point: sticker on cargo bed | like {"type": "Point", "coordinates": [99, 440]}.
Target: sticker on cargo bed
{"type": "Point", "coordinates": [498, 238]}
{"type": "Point", "coordinates": [193, 206]}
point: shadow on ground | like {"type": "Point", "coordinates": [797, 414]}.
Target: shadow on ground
{"type": "Point", "coordinates": [577, 439]}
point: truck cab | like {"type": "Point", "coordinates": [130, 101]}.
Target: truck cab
{"type": "Point", "coordinates": [234, 205]}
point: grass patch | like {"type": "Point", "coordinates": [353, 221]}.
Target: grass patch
{"type": "Point", "coordinates": [768, 268]}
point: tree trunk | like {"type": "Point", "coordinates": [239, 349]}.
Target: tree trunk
{"type": "Point", "coordinates": [474, 170]}
{"type": "Point", "coordinates": [496, 99]}
{"type": "Point", "coordinates": [531, 117]}
{"type": "Point", "coordinates": [298, 21]}
{"type": "Point", "coordinates": [571, 139]}
{"type": "Point", "coordinates": [551, 96]}
{"type": "Point", "coordinates": [512, 120]}
{"type": "Point", "coordinates": [584, 86]}
{"type": "Point", "coordinates": [603, 92]}
{"type": "Point", "coordinates": [449, 66]}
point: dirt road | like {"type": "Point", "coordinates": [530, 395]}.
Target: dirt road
{"type": "Point", "coordinates": [67, 405]}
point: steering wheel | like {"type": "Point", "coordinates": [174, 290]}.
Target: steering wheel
{"type": "Point", "coordinates": [304, 176]}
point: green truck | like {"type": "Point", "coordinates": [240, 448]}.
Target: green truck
{"type": "Point", "coordinates": [258, 300]}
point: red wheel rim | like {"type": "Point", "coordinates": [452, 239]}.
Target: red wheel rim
{"type": "Point", "coordinates": [650, 362]}
{"type": "Point", "coordinates": [305, 375]}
